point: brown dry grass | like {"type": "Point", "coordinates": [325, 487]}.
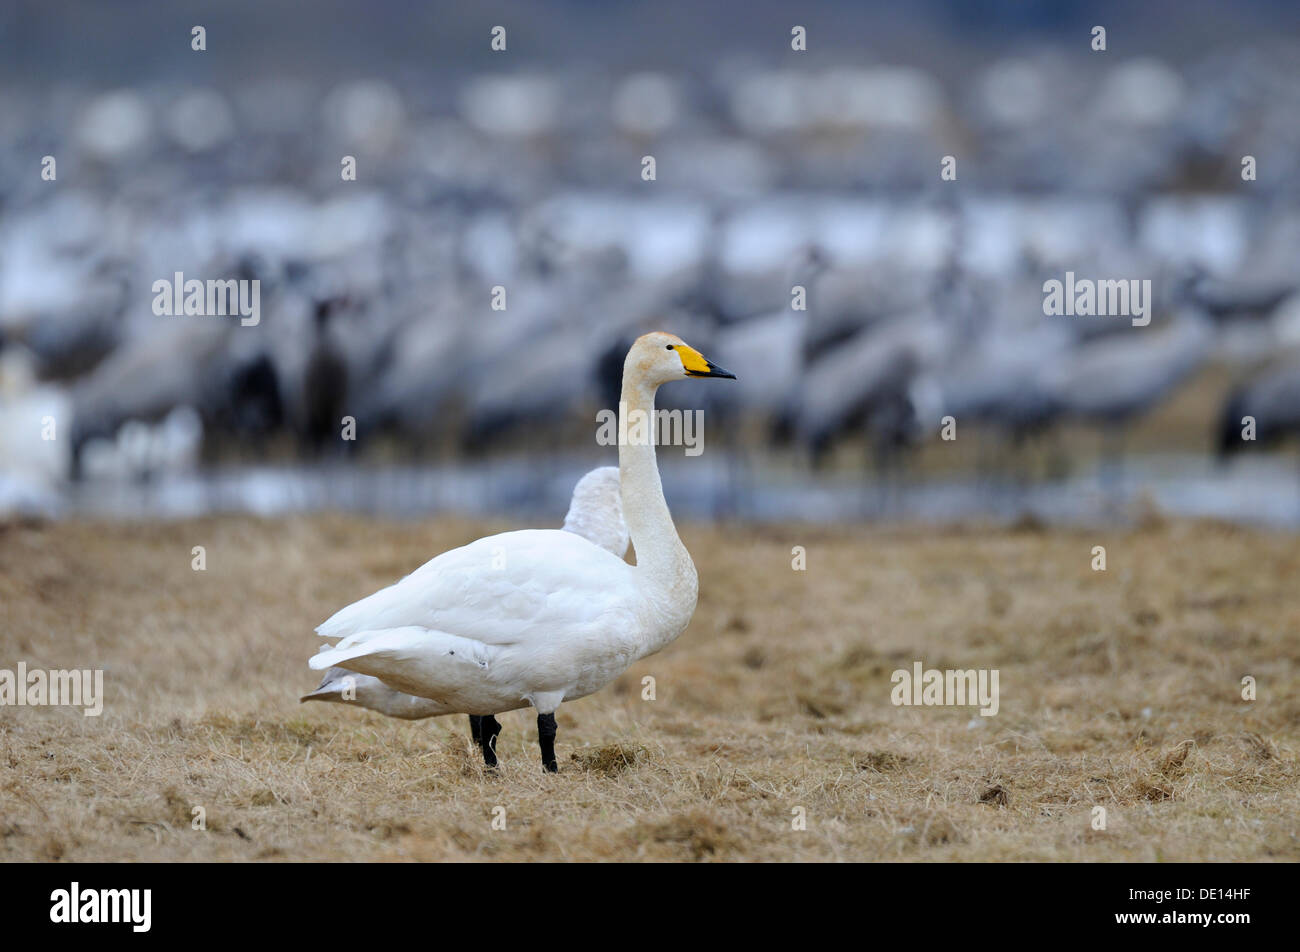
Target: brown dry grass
{"type": "Point", "coordinates": [1119, 689]}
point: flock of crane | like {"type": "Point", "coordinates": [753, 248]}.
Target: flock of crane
{"type": "Point", "coordinates": [456, 299]}
{"type": "Point", "coordinates": [855, 357]}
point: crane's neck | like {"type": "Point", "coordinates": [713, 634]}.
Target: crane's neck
{"type": "Point", "coordinates": [659, 552]}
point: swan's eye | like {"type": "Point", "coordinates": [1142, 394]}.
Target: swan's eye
{"type": "Point", "coordinates": [669, 347]}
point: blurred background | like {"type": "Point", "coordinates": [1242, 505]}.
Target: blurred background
{"type": "Point", "coordinates": [774, 168]}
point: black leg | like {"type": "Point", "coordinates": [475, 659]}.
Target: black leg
{"type": "Point", "coordinates": [488, 740]}
{"type": "Point", "coordinates": [546, 739]}
{"type": "Point", "coordinates": [476, 730]}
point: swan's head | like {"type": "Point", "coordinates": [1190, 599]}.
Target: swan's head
{"type": "Point", "coordinates": [659, 358]}
{"type": "Point", "coordinates": [343, 686]}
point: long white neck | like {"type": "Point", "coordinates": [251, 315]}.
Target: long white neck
{"type": "Point", "coordinates": [659, 552]}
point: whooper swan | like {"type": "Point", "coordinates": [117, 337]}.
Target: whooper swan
{"type": "Point", "coordinates": [539, 616]}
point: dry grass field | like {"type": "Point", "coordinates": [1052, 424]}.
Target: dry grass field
{"type": "Point", "coordinates": [1119, 689]}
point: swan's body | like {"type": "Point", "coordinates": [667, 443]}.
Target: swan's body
{"type": "Point", "coordinates": [538, 616]}
{"type": "Point", "coordinates": [520, 618]}
{"type": "Point", "coordinates": [595, 513]}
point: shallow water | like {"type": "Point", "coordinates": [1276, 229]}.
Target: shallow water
{"type": "Point", "coordinates": [1262, 491]}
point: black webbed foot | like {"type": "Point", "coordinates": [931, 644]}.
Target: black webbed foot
{"type": "Point", "coordinates": [546, 740]}
{"type": "Point", "coordinates": [489, 729]}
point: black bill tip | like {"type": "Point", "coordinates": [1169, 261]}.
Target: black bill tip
{"type": "Point", "coordinates": [714, 371]}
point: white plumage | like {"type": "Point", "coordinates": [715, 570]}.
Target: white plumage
{"type": "Point", "coordinates": [595, 513]}
{"type": "Point", "coordinates": [538, 616]}
{"type": "Point", "coordinates": [520, 618]}
{"type": "Point", "coordinates": [347, 687]}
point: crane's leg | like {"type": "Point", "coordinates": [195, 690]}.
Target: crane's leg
{"type": "Point", "coordinates": [1112, 465]}
{"type": "Point", "coordinates": [488, 739]}
{"type": "Point", "coordinates": [1298, 504]}
{"type": "Point", "coordinates": [546, 740]}
{"type": "Point", "coordinates": [476, 730]}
